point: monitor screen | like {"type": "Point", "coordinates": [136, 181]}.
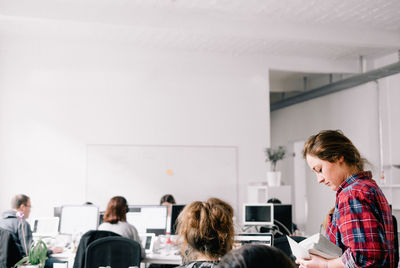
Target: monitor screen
{"type": "Point", "coordinates": [258, 214]}
{"type": "Point", "coordinates": [46, 226]}
{"type": "Point", "coordinates": [78, 219]}
{"type": "Point", "coordinates": [283, 218]}
{"type": "Point", "coordinates": [175, 210]}
{"type": "Point", "coordinates": [148, 219]}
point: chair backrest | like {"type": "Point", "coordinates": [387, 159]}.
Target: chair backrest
{"type": "Point", "coordinates": [396, 241]}
{"type": "Point", "coordinates": [116, 252]}
{"type": "Point", "coordinates": [9, 252]}
{"type": "Point", "coordinates": [86, 239]}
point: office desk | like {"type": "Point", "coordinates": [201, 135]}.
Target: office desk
{"type": "Point", "coordinates": [162, 259]}
{"type": "Point", "coordinates": [149, 259]}
{"type": "Point", "coordinates": [67, 256]}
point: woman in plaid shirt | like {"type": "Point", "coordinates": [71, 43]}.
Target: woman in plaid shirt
{"type": "Point", "coordinates": [361, 223]}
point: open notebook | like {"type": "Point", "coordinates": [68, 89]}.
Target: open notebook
{"type": "Point", "coordinates": [316, 244]}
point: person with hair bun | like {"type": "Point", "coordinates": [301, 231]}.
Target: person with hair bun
{"type": "Point", "coordinates": [361, 222]}
{"type": "Point", "coordinates": [255, 256]}
{"type": "Point", "coordinates": [207, 231]}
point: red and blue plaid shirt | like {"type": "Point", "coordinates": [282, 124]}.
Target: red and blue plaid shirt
{"type": "Point", "coordinates": [361, 223]}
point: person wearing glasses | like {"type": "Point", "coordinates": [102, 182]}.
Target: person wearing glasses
{"type": "Point", "coordinates": [14, 221]}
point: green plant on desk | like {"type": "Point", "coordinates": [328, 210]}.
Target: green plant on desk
{"type": "Point", "coordinates": [37, 255]}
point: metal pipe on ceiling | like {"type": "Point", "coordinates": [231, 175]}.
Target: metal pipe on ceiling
{"type": "Point", "coordinates": [334, 87]}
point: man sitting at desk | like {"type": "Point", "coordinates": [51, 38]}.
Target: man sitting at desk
{"type": "Point", "coordinates": [14, 221]}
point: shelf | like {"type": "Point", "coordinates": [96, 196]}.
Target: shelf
{"type": "Point", "coordinates": [389, 185]}
{"type": "Point", "coordinates": [393, 165]}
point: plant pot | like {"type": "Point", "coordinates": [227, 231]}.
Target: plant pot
{"type": "Point", "coordinates": [28, 265]}
{"type": "Point", "coordinates": [274, 178]}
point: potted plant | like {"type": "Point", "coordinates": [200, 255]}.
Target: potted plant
{"type": "Point", "coordinates": [37, 256]}
{"type": "Point", "coordinates": [273, 156]}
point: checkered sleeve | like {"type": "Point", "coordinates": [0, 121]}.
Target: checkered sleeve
{"type": "Point", "coordinates": [362, 233]}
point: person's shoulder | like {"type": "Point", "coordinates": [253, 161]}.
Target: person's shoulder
{"type": "Point", "coordinates": [199, 264]}
{"type": "Point", "coordinates": [9, 214]}
{"type": "Point", "coordinates": [104, 226]}
{"type": "Point", "coordinates": [124, 224]}
{"type": "Point", "coordinates": [360, 188]}
{"type": "Point", "coordinates": [206, 265]}
{"type": "Point", "coordinates": [128, 225]}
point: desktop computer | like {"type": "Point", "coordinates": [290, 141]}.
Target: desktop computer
{"type": "Point", "coordinates": [175, 211]}
{"type": "Point", "coordinates": [283, 218]}
{"type": "Point", "coordinates": [258, 214]}
{"type": "Point", "coordinates": [148, 218]}
{"type": "Point", "coordinates": [78, 219]}
{"type": "Point", "coordinates": [46, 227]}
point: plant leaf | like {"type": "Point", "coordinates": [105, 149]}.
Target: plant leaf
{"type": "Point", "coordinates": [21, 261]}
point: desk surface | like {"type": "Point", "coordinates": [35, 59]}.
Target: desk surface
{"type": "Point", "coordinates": [150, 258]}
{"type": "Point", "coordinates": [162, 259]}
{"type": "Point", "coordinates": [66, 255]}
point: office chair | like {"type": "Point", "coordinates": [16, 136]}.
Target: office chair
{"type": "Point", "coordinates": [283, 244]}
{"type": "Point", "coordinates": [117, 252]}
{"type": "Point", "coordinates": [86, 239]}
{"type": "Point", "coordinates": [9, 252]}
{"type": "Point", "coordinates": [396, 241]}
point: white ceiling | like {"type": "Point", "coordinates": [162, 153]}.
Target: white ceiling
{"type": "Point", "coordinates": [331, 29]}
{"type": "Point", "coordinates": [326, 30]}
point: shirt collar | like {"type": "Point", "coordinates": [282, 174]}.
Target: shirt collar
{"type": "Point", "coordinates": [351, 179]}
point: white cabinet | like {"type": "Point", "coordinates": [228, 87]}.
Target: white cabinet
{"type": "Point", "coordinates": [261, 192]}
{"type": "Point", "coordinates": [391, 185]}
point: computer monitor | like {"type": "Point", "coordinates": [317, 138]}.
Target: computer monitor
{"type": "Point", "coordinates": [283, 218]}
{"type": "Point", "coordinates": [148, 219]}
{"type": "Point", "coordinates": [258, 214]}
{"type": "Point", "coordinates": [46, 226]}
{"type": "Point", "coordinates": [175, 211]}
{"type": "Point", "coordinates": [78, 219]}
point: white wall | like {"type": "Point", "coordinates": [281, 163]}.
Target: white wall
{"type": "Point", "coordinates": [59, 94]}
{"type": "Point", "coordinates": [354, 111]}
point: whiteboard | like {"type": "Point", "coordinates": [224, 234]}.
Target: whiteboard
{"type": "Point", "coordinates": [142, 174]}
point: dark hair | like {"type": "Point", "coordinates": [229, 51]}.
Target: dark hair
{"type": "Point", "coordinates": [274, 201]}
{"type": "Point", "coordinates": [254, 256]}
{"type": "Point", "coordinates": [116, 210]}
{"type": "Point", "coordinates": [167, 198]}
{"type": "Point", "coordinates": [207, 228]}
{"type": "Point", "coordinates": [18, 200]}
{"type": "Point", "coordinates": [330, 145]}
